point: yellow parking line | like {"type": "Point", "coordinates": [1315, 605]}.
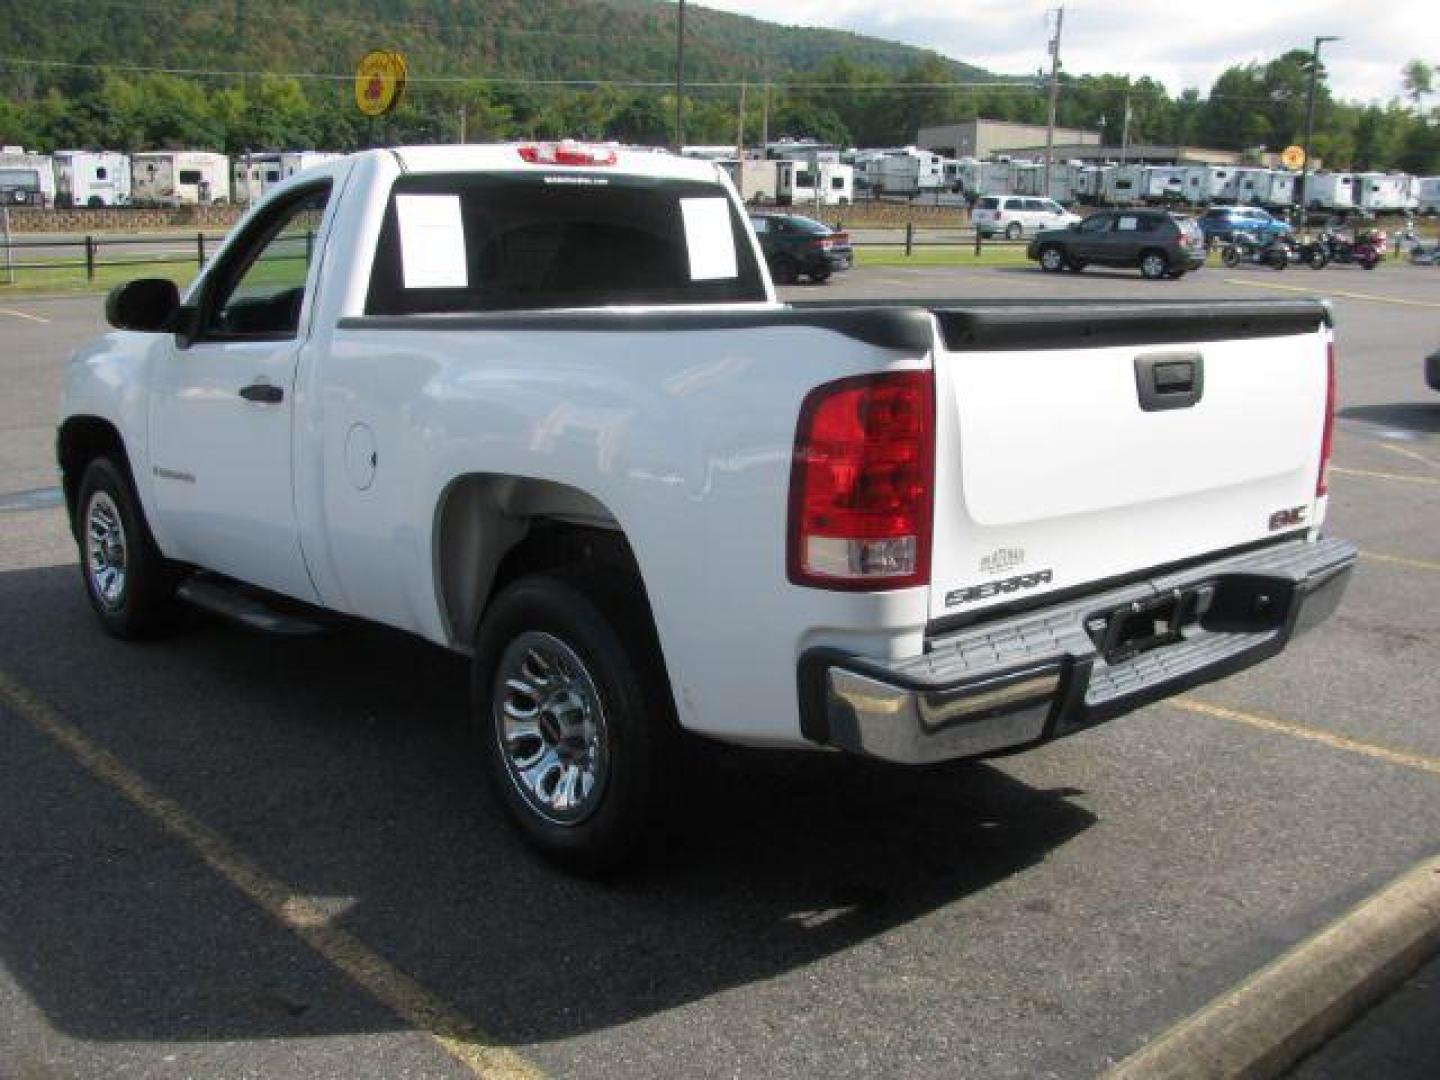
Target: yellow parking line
{"type": "Point", "coordinates": [1408, 478]}
{"type": "Point", "coordinates": [22, 315]}
{"type": "Point", "coordinates": [1333, 292]}
{"type": "Point", "coordinates": [1397, 560]}
{"type": "Point", "coordinates": [1301, 731]}
{"type": "Point", "coordinates": [1405, 451]}
{"type": "Point", "coordinates": [478, 1052]}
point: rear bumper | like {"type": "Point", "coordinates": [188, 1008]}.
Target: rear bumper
{"type": "Point", "coordinates": [1025, 679]}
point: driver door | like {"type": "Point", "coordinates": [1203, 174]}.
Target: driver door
{"type": "Point", "coordinates": [222, 404]}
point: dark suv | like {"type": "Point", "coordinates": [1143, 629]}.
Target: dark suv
{"type": "Point", "coordinates": [795, 245]}
{"type": "Point", "coordinates": [1158, 243]}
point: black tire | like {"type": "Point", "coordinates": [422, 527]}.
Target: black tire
{"type": "Point", "coordinates": [140, 602]}
{"type": "Point", "coordinates": [1153, 265]}
{"type": "Point", "coordinates": [1076, 265]}
{"type": "Point", "coordinates": [623, 694]}
{"type": "Point", "coordinates": [1230, 256]}
{"type": "Point", "coordinates": [1052, 258]}
{"type": "Point", "coordinates": [820, 277]}
{"type": "Point", "coordinates": [784, 271]}
{"type": "Point", "coordinates": [1014, 231]}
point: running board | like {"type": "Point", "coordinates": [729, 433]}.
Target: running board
{"type": "Point", "coordinates": [244, 605]}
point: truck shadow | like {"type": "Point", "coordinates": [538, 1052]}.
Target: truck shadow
{"type": "Point", "coordinates": [1422, 417]}
{"type": "Point", "coordinates": [336, 766]}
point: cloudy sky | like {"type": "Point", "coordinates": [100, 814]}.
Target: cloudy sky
{"type": "Point", "coordinates": [1180, 43]}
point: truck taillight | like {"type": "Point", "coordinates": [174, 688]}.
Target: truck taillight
{"type": "Point", "coordinates": [1322, 482]}
{"type": "Point", "coordinates": [861, 485]}
{"type": "Point", "coordinates": [566, 153]}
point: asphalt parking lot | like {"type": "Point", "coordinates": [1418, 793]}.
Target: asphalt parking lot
{"type": "Point", "coordinates": [227, 855]}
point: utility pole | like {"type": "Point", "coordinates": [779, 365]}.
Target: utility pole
{"type": "Point", "coordinates": [1125, 127]}
{"type": "Point", "coordinates": [1054, 95]}
{"type": "Point", "coordinates": [1303, 196]}
{"type": "Point", "coordinates": [740, 147]}
{"type": "Point", "coordinates": [680, 77]}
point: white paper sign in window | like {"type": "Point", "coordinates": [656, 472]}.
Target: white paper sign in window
{"type": "Point", "coordinates": [709, 239]}
{"type": "Point", "coordinates": [1127, 224]}
{"type": "Point", "coordinates": [432, 241]}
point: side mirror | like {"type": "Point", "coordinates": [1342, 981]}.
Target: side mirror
{"type": "Point", "coordinates": [148, 305]}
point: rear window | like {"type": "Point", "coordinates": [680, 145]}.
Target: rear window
{"type": "Point", "coordinates": [989, 202]}
{"type": "Point", "coordinates": [809, 225]}
{"type": "Point", "coordinates": [533, 241]}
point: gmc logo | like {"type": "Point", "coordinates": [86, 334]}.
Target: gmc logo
{"type": "Point", "coordinates": [1287, 519]}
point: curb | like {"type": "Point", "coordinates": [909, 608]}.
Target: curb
{"type": "Point", "coordinates": [1294, 1005]}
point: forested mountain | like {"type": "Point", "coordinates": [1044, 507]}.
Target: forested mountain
{"type": "Point", "coordinates": [256, 74]}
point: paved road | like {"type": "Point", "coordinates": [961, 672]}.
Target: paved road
{"type": "Point", "coordinates": [1040, 915]}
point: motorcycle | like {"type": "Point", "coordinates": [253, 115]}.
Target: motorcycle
{"type": "Point", "coordinates": [1244, 248]}
{"type": "Point", "coordinates": [1364, 250]}
{"type": "Point", "coordinates": [1309, 253]}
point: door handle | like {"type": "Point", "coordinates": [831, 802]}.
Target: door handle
{"type": "Point", "coordinates": [1169, 380]}
{"type": "Point", "coordinates": [264, 393]}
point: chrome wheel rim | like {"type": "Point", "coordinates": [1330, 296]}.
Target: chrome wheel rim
{"type": "Point", "coordinates": [551, 728]}
{"type": "Point", "coordinates": [1050, 259]}
{"type": "Point", "coordinates": [1152, 266]}
{"type": "Point", "coordinates": [106, 550]}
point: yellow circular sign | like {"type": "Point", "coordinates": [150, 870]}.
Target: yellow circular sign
{"type": "Point", "coordinates": [1292, 157]}
{"type": "Point", "coordinates": [379, 82]}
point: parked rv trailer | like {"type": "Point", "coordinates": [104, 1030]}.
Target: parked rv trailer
{"type": "Point", "coordinates": [1205, 184]}
{"type": "Point", "coordinates": [1247, 186]}
{"type": "Point", "coordinates": [753, 178]}
{"type": "Point", "coordinates": [179, 178]}
{"type": "Point", "coordinates": [1027, 178]}
{"type": "Point", "coordinates": [91, 178]}
{"type": "Point", "coordinates": [1331, 191]}
{"type": "Point", "coordinates": [908, 172]}
{"type": "Point", "coordinates": [796, 183]}
{"type": "Point", "coordinates": [1427, 194]}
{"type": "Point", "coordinates": [1281, 193]}
{"type": "Point", "coordinates": [1125, 185]}
{"type": "Point", "coordinates": [1383, 192]}
{"type": "Point", "coordinates": [1164, 184]}
{"type": "Point", "coordinates": [1090, 184]}
{"type": "Point", "coordinates": [26, 179]}
{"type": "Point", "coordinates": [255, 174]}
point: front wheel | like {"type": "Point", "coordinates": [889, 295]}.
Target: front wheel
{"type": "Point", "coordinates": [129, 583]}
{"type": "Point", "coordinates": [572, 715]}
{"type": "Point", "coordinates": [1230, 256]}
{"type": "Point", "coordinates": [1052, 259]}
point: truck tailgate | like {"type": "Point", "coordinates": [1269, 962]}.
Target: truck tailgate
{"type": "Point", "coordinates": [1077, 443]}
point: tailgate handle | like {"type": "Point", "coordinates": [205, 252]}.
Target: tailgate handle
{"type": "Point", "coordinates": [1169, 380]}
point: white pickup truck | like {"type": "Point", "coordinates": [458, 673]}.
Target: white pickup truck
{"type": "Point", "coordinates": [539, 404]}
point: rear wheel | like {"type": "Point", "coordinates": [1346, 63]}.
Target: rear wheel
{"type": "Point", "coordinates": [129, 583]}
{"type": "Point", "coordinates": [785, 272]}
{"type": "Point", "coordinates": [1014, 231]}
{"type": "Point", "coordinates": [819, 277]}
{"type": "Point", "coordinates": [1052, 258]}
{"type": "Point", "coordinates": [1153, 265]}
{"type": "Point", "coordinates": [572, 715]}
{"type": "Point", "coordinates": [1230, 256]}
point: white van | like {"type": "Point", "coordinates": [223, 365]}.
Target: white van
{"type": "Point", "coordinates": [1017, 216]}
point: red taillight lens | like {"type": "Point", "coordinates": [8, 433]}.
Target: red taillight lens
{"type": "Point", "coordinates": [1322, 482]}
{"type": "Point", "coordinates": [566, 153]}
{"type": "Point", "coordinates": [861, 485]}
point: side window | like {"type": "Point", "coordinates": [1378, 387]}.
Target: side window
{"type": "Point", "coordinates": [837, 183]}
{"type": "Point", "coordinates": [189, 176]}
{"type": "Point", "coordinates": [100, 173]}
{"type": "Point", "coordinates": [259, 291]}
{"type": "Point", "coordinates": [1096, 223]}
{"type": "Point", "coordinates": [760, 225]}
{"type": "Point", "coordinates": [1036, 206]}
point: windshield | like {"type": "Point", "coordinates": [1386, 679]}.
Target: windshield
{"type": "Point", "coordinates": [507, 242]}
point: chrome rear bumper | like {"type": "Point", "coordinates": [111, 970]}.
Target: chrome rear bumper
{"type": "Point", "coordinates": [1020, 680]}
